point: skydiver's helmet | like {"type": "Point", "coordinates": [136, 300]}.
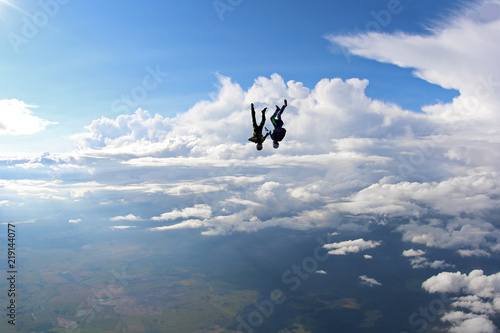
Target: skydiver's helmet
{"type": "Point", "coordinates": [259, 146]}
{"type": "Point", "coordinates": [276, 144]}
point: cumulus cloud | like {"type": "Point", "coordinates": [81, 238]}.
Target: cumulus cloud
{"type": "Point", "coordinates": [129, 217]}
{"type": "Point", "coordinates": [417, 260]}
{"type": "Point", "coordinates": [481, 300]}
{"type": "Point", "coordinates": [17, 118]}
{"type": "Point", "coordinates": [413, 253]}
{"type": "Point", "coordinates": [350, 246]}
{"type": "Point", "coordinates": [342, 106]}
{"type": "Point", "coordinates": [468, 323]}
{"type": "Point", "coordinates": [370, 282]}
{"type": "Point", "coordinates": [475, 282]}
{"type": "Point", "coordinates": [422, 262]}
{"type": "Point", "coordinates": [75, 221]}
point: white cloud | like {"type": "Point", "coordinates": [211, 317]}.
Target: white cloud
{"type": "Point", "coordinates": [30, 187]}
{"type": "Point", "coordinates": [470, 193]}
{"type": "Point", "coordinates": [423, 262]}
{"type": "Point", "coordinates": [467, 128]}
{"type": "Point", "coordinates": [440, 264]}
{"type": "Point", "coordinates": [476, 283]}
{"type": "Point", "coordinates": [473, 253]}
{"type": "Point", "coordinates": [367, 256]}
{"type": "Point", "coordinates": [342, 106]}
{"type": "Point", "coordinates": [121, 227]}
{"type": "Point", "coordinates": [457, 233]}
{"type": "Point", "coordinates": [75, 221]}
{"type": "Point", "coordinates": [187, 224]}
{"type": "Point", "coordinates": [445, 282]}
{"type": "Point", "coordinates": [443, 57]}
{"type": "Point", "coordinates": [320, 272]}
{"type": "Point", "coordinates": [16, 118]}
{"type": "Point", "coordinates": [243, 202]}
{"type": "Point", "coordinates": [305, 184]}
{"type": "Point", "coordinates": [481, 300]}
{"type": "Point", "coordinates": [129, 217]}
{"type": "Point", "coordinates": [474, 303]}
{"type": "Point", "coordinates": [468, 323]}
{"type": "Point", "coordinates": [310, 192]}
{"type": "Point", "coordinates": [370, 282]}
{"type": "Point", "coordinates": [413, 253]}
{"type": "Point", "coordinates": [417, 260]}
{"type": "Point", "coordinates": [200, 210]}
{"type": "Point", "coordinates": [350, 246]}
{"type": "Point", "coordinates": [266, 191]}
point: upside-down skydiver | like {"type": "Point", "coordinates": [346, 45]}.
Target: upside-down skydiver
{"type": "Point", "coordinates": [257, 136]}
{"type": "Point", "coordinates": [279, 132]}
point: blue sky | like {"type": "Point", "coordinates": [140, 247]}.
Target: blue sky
{"type": "Point", "coordinates": [86, 55]}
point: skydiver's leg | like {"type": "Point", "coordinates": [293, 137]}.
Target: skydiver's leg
{"type": "Point", "coordinates": [254, 122]}
{"type": "Point", "coordinates": [273, 117]}
{"type": "Point", "coordinates": [281, 111]}
{"type": "Point", "coordinates": [263, 121]}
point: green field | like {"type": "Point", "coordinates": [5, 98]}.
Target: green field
{"type": "Point", "coordinates": [119, 288]}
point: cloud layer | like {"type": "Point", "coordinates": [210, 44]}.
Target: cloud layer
{"type": "Point", "coordinates": [373, 160]}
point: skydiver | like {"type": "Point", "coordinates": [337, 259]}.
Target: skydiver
{"type": "Point", "coordinates": [279, 132]}
{"type": "Point", "coordinates": [257, 136]}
